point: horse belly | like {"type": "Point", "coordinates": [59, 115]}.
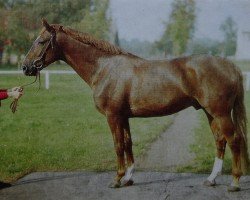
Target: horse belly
{"type": "Point", "coordinates": [159, 103]}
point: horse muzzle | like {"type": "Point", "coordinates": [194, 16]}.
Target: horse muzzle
{"type": "Point", "coordinates": [30, 71]}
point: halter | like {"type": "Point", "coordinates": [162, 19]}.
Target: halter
{"type": "Point", "coordinates": [39, 62]}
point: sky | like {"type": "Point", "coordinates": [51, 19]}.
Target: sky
{"type": "Point", "coordinates": [144, 19]}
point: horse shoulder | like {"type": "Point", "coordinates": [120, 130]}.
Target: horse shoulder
{"type": "Point", "coordinates": [110, 86]}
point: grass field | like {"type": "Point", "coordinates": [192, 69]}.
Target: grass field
{"type": "Point", "coordinates": [204, 146]}
{"type": "Point", "coordinates": [60, 129]}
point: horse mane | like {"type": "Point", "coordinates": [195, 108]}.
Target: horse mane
{"type": "Point", "coordinates": [97, 43]}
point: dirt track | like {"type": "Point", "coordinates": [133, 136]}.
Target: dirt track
{"type": "Point", "coordinates": [171, 149]}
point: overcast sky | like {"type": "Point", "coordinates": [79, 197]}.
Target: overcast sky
{"type": "Point", "coordinates": [144, 19]}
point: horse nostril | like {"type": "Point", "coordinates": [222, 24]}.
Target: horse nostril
{"type": "Point", "coordinates": [24, 67]}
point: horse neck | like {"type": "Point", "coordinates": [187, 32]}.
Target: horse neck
{"type": "Point", "coordinates": [81, 57]}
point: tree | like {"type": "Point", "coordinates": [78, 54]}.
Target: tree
{"type": "Point", "coordinates": [17, 34]}
{"type": "Point", "coordinates": [117, 41]}
{"type": "Point", "coordinates": [95, 20]}
{"type": "Point", "coordinates": [5, 5]}
{"type": "Point", "coordinates": [59, 11]}
{"type": "Point", "coordinates": [180, 28]}
{"type": "Point", "coordinates": [229, 29]}
{"type": "Point", "coordinates": [165, 44]}
{"type": "Point", "coordinates": [137, 47]}
{"type": "Point", "coordinates": [206, 46]}
{"type": "Point", "coordinates": [21, 20]}
{"type": "Point", "coordinates": [2, 33]}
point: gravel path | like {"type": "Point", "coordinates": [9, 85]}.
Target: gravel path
{"type": "Point", "coordinates": [171, 149]}
{"type": "Point", "coordinates": [147, 186]}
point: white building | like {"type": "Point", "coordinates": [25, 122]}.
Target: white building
{"type": "Point", "coordinates": [243, 35]}
{"type": "Point", "coordinates": [243, 44]}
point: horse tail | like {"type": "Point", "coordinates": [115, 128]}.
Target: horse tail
{"type": "Point", "coordinates": [240, 123]}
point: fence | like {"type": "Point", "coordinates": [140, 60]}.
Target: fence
{"type": "Point", "coordinates": [45, 72]}
{"type": "Point", "coordinates": [48, 72]}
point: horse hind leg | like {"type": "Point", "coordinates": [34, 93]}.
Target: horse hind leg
{"type": "Point", "coordinates": [234, 142]}
{"type": "Point", "coordinates": [226, 128]}
{"type": "Point", "coordinates": [220, 142]}
{"type": "Point", "coordinates": [127, 179]}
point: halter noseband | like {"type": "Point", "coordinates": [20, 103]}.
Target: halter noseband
{"type": "Point", "coordinates": [39, 62]}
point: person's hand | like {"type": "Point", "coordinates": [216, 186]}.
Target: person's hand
{"type": "Point", "coordinates": [15, 89]}
{"type": "Point", "coordinates": [15, 92]}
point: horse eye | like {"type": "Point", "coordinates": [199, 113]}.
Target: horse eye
{"type": "Point", "coordinates": [41, 42]}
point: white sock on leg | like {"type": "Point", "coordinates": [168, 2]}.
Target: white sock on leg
{"type": "Point", "coordinates": [217, 168]}
{"type": "Point", "coordinates": [128, 174]}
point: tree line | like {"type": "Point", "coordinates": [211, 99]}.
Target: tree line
{"type": "Point", "coordinates": [178, 37]}
{"type": "Point", "coordinates": [20, 20]}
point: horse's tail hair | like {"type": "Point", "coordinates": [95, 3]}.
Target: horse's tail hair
{"type": "Point", "coordinates": [240, 124]}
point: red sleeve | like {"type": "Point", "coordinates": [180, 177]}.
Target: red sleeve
{"type": "Point", "coordinates": [3, 94]}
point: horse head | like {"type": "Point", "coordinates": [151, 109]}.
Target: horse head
{"type": "Point", "coordinates": [43, 52]}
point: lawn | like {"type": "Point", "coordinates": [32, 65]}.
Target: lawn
{"type": "Point", "coordinates": [60, 130]}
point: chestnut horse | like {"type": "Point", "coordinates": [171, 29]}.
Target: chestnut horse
{"type": "Point", "coordinates": [126, 86]}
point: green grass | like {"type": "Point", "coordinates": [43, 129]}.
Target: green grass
{"type": "Point", "coordinates": [60, 130]}
{"type": "Point", "coordinates": [204, 146]}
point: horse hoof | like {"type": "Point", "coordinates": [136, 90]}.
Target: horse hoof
{"type": "Point", "coordinates": [126, 182]}
{"type": "Point", "coordinates": [115, 184]}
{"type": "Point", "coordinates": [209, 183]}
{"type": "Point", "coordinates": [233, 188]}
{"type": "Point", "coordinates": [129, 183]}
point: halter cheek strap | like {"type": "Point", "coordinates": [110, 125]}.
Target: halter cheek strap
{"type": "Point", "coordinates": [39, 62]}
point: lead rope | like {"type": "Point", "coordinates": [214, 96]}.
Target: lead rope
{"type": "Point", "coordinates": [14, 103]}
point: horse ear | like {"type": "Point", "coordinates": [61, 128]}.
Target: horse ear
{"type": "Point", "coordinates": [61, 28]}
{"type": "Point", "coordinates": [47, 26]}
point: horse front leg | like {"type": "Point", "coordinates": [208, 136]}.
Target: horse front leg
{"type": "Point", "coordinates": [116, 127]}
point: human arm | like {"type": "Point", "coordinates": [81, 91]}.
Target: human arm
{"type": "Point", "coordinates": [3, 94]}
{"type": "Point", "coordinates": [15, 92]}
